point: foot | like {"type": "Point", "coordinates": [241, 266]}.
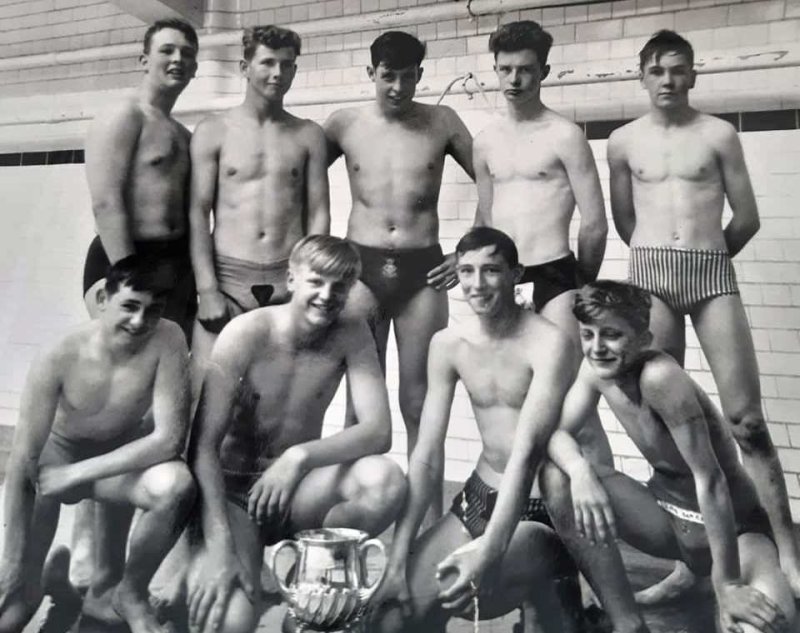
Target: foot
{"type": "Point", "coordinates": [66, 601]}
{"type": "Point", "coordinates": [679, 581]}
{"type": "Point", "coordinates": [98, 606]}
{"type": "Point", "coordinates": [136, 610]}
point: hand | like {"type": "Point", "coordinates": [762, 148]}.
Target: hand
{"type": "Point", "coordinates": [594, 516]}
{"type": "Point", "coordinates": [393, 591]}
{"type": "Point", "coordinates": [270, 497]}
{"type": "Point", "coordinates": [443, 277]}
{"type": "Point", "coordinates": [18, 595]}
{"type": "Point", "coordinates": [212, 310]}
{"type": "Point", "coordinates": [210, 590]}
{"type": "Point", "coordinates": [56, 481]}
{"type": "Point", "coordinates": [738, 602]}
{"type": "Point", "coordinates": [474, 569]}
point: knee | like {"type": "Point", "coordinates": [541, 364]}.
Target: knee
{"type": "Point", "coordinates": [172, 485]}
{"type": "Point", "coordinates": [240, 616]}
{"type": "Point", "coordinates": [752, 434]}
{"type": "Point", "coordinates": [411, 399]}
{"type": "Point", "coordinates": [382, 478]}
{"type": "Point", "coordinates": [553, 482]}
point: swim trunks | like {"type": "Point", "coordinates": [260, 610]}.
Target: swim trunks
{"type": "Point", "coordinates": [174, 263]}
{"type": "Point", "coordinates": [62, 451]}
{"type": "Point", "coordinates": [237, 491]}
{"type": "Point", "coordinates": [690, 530]}
{"type": "Point", "coordinates": [396, 275]}
{"type": "Point", "coordinates": [249, 285]}
{"type": "Point", "coordinates": [682, 277]}
{"type": "Point", "coordinates": [551, 279]}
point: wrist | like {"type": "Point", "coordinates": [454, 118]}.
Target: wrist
{"type": "Point", "coordinates": [298, 457]}
{"type": "Point", "coordinates": [580, 468]}
{"type": "Point", "coordinates": [208, 290]}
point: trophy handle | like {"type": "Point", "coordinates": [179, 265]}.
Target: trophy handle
{"type": "Point", "coordinates": [274, 554]}
{"type": "Point", "coordinates": [367, 592]}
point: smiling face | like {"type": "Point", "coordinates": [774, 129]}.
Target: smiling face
{"type": "Point", "coordinates": [394, 88]}
{"type": "Point", "coordinates": [130, 316]}
{"type": "Point", "coordinates": [668, 80]}
{"type": "Point", "coordinates": [171, 59]}
{"type": "Point", "coordinates": [611, 345]}
{"type": "Point", "coordinates": [319, 297]}
{"type": "Point", "coordinates": [486, 280]}
{"type": "Point", "coordinates": [270, 72]}
{"type": "Point", "coordinates": [520, 75]}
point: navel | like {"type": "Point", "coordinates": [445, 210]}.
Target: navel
{"type": "Point", "coordinates": [295, 173]}
{"type": "Point", "coordinates": [356, 167]}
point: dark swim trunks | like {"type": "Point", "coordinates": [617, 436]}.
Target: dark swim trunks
{"type": "Point", "coordinates": [396, 275]}
{"type": "Point", "coordinates": [62, 451]}
{"type": "Point", "coordinates": [690, 530]}
{"type": "Point", "coordinates": [174, 256]}
{"type": "Point", "coordinates": [237, 491]}
{"type": "Point", "coordinates": [551, 279]}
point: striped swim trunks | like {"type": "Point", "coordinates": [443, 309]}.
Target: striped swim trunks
{"type": "Point", "coordinates": [682, 277]}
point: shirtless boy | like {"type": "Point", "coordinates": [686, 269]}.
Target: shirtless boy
{"type": "Point", "coordinates": [262, 173]}
{"type": "Point", "coordinates": [137, 165]}
{"type": "Point", "coordinates": [80, 436]}
{"type": "Point", "coordinates": [394, 223]}
{"type": "Point", "coordinates": [516, 368]}
{"type": "Point", "coordinates": [699, 506]}
{"type": "Point", "coordinates": [262, 469]}
{"type": "Point", "coordinates": [671, 171]}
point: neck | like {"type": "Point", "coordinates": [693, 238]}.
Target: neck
{"type": "Point", "coordinates": [673, 116]}
{"type": "Point", "coordinates": [262, 109]}
{"type": "Point", "coordinates": [394, 115]}
{"type": "Point", "coordinates": [500, 324]}
{"type": "Point", "coordinates": [525, 111]}
{"type": "Point", "coordinates": [304, 334]}
{"type": "Point", "coordinates": [159, 98]}
{"type": "Point", "coordinates": [114, 348]}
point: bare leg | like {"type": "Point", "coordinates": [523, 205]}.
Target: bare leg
{"type": "Point", "coordinates": [602, 565]}
{"type": "Point", "coordinates": [165, 493]}
{"type": "Point", "coordinates": [669, 330]}
{"type": "Point", "coordinates": [724, 334]}
{"type": "Point", "coordinates": [760, 569]}
{"type": "Point", "coordinates": [425, 314]}
{"type": "Point", "coordinates": [202, 343]}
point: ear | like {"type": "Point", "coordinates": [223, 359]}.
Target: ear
{"type": "Point", "coordinates": [646, 338]}
{"type": "Point", "coordinates": [420, 70]}
{"type": "Point", "coordinates": [517, 272]}
{"type": "Point", "coordinates": [371, 73]}
{"type": "Point", "coordinates": [143, 61]}
{"type": "Point", "coordinates": [101, 298]}
{"type": "Point", "coordinates": [545, 72]}
{"type": "Point", "coordinates": [290, 280]}
{"type": "Point", "coordinates": [243, 66]}
{"type": "Point", "coordinates": [692, 77]}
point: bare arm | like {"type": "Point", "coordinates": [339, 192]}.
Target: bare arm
{"type": "Point", "coordinates": [668, 390]}
{"type": "Point", "coordinates": [39, 401]}
{"type": "Point", "coordinates": [318, 198]}
{"type": "Point", "coordinates": [170, 415]}
{"type": "Point", "coordinates": [110, 151]}
{"type": "Point", "coordinates": [426, 466]}
{"type": "Point", "coordinates": [745, 222]}
{"type": "Point", "coordinates": [459, 144]}
{"type": "Point", "coordinates": [332, 128]}
{"type": "Point", "coordinates": [621, 186]}
{"type": "Point", "coordinates": [483, 180]}
{"type": "Point", "coordinates": [204, 150]}
{"type": "Point", "coordinates": [581, 170]}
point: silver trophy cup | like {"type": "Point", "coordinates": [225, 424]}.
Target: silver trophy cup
{"type": "Point", "coordinates": [328, 590]}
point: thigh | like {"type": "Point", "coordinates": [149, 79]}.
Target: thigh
{"type": "Point", "coordinates": [641, 522]}
{"type": "Point", "coordinates": [559, 312]}
{"type": "Point", "coordinates": [425, 314]}
{"type": "Point", "coordinates": [668, 328]}
{"type": "Point", "coordinates": [317, 493]}
{"type": "Point", "coordinates": [724, 333]}
{"type": "Point", "coordinates": [139, 488]}
{"type": "Point", "coordinates": [761, 569]}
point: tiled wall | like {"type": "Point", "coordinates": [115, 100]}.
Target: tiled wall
{"type": "Point", "coordinates": [43, 287]}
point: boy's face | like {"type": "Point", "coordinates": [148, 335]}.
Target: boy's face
{"type": "Point", "coordinates": [271, 71]}
{"type": "Point", "coordinates": [611, 345]}
{"type": "Point", "coordinates": [520, 75]}
{"type": "Point", "coordinates": [320, 297]}
{"type": "Point", "coordinates": [130, 315]}
{"type": "Point", "coordinates": [394, 87]}
{"type": "Point", "coordinates": [486, 279]}
{"type": "Point", "coordinates": [668, 80]}
{"type": "Point", "coordinates": [172, 60]}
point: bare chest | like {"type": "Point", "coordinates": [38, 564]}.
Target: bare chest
{"type": "Point", "coordinates": [523, 159]}
{"type": "Point", "coordinates": [498, 379]}
{"type": "Point", "coordinates": [381, 150]}
{"type": "Point", "coordinates": [163, 147]}
{"type": "Point", "coordinates": [679, 157]}
{"type": "Point", "coordinates": [247, 156]}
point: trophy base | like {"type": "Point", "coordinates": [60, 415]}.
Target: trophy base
{"type": "Point", "coordinates": [301, 627]}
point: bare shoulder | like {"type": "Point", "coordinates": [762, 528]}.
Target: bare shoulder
{"type": "Point", "coordinates": [245, 336]}
{"type": "Point", "coordinates": [212, 128]}
{"type": "Point", "coordinates": [311, 131]}
{"type": "Point", "coordinates": [544, 341]}
{"type": "Point", "coordinates": [442, 116]}
{"type": "Point", "coordinates": [168, 339]}
{"type": "Point", "coordinates": [719, 131]}
{"type": "Point", "coordinates": [619, 138]}
{"type": "Point", "coordinates": [661, 378]}
{"type": "Point", "coordinates": [490, 133]}
{"type": "Point", "coordinates": [340, 120]}
{"type": "Point", "coordinates": [124, 115]}
{"type": "Point", "coordinates": [563, 127]}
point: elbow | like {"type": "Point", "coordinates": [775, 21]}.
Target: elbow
{"type": "Point", "coordinates": [753, 226]}
{"type": "Point", "coordinates": [381, 440]}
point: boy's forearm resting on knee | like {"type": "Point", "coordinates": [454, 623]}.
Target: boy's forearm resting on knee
{"type": "Point", "coordinates": [714, 500]}
{"type": "Point", "coordinates": [20, 496]}
{"type": "Point", "coordinates": [423, 477]}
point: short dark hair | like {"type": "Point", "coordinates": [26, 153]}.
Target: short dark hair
{"type": "Point", "coordinates": [481, 236]}
{"type": "Point", "coordinates": [521, 36]}
{"type": "Point", "coordinates": [625, 300]}
{"type": "Point", "coordinates": [142, 274]}
{"type": "Point", "coordinates": [665, 41]}
{"type": "Point", "coordinates": [327, 255]}
{"type": "Point", "coordinates": [271, 36]}
{"type": "Point", "coordinates": [170, 23]}
{"type": "Point", "coordinates": [396, 50]}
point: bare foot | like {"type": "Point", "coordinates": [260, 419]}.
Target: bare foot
{"type": "Point", "coordinates": [99, 606]}
{"type": "Point", "coordinates": [136, 610]}
{"type": "Point", "coordinates": [679, 581]}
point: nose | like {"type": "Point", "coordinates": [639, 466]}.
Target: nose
{"type": "Point", "coordinates": [598, 346]}
{"type": "Point", "coordinates": [325, 292]}
{"type": "Point", "coordinates": [515, 77]}
{"type": "Point", "coordinates": [137, 318]}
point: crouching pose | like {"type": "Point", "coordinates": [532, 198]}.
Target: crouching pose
{"type": "Point", "coordinates": [80, 436]}
{"type": "Point", "coordinates": [262, 469]}
{"type": "Point", "coordinates": [516, 368]}
{"type": "Point", "coordinates": [699, 507]}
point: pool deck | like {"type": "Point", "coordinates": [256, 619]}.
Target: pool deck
{"type": "Point", "coordinates": [692, 614]}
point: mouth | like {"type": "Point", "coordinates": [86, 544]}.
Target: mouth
{"type": "Point", "coordinates": [513, 92]}
{"type": "Point", "coordinates": [177, 74]}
